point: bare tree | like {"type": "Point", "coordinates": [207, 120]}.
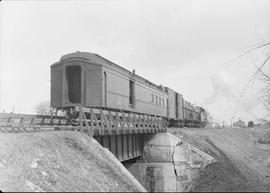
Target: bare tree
{"type": "Point", "coordinates": [265, 77]}
{"type": "Point", "coordinates": [267, 94]}
{"type": "Point", "coordinates": [44, 108]}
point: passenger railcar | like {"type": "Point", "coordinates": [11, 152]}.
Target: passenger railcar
{"type": "Point", "coordinates": [89, 80]}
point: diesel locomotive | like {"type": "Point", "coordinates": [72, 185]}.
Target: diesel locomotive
{"type": "Point", "coordinates": [89, 80]}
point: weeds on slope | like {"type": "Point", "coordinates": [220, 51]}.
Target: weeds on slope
{"type": "Point", "coordinates": [221, 176]}
{"type": "Point", "coordinates": [264, 139]}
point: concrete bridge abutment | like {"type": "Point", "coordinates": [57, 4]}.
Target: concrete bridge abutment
{"type": "Point", "coordinates": [169, 164]}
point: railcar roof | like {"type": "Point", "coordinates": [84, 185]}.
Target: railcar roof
{"type": "Point", "coordinates": [97, 59]}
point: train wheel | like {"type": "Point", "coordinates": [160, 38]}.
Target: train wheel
{"type": "Point", "coordinates": [165, 123]}
{"type": "Point", "coordinates": [72, 118]}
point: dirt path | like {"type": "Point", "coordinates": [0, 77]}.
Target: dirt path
{"type": "Point", "coordinates": [239, 146]}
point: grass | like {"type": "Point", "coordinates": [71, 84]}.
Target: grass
{"type": "Point", "coordinates": [264, 139]}
{"type": "Point", "coordinates": [222, 176]}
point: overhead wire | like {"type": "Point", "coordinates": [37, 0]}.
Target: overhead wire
{"type": "Point", "coordinates": [246, 52]}
{"type": "Point", "coordinates": [225, 111]}
{"type": "Point", "coordinates": [265, 75]}
{"type": "Point", "coordinates": [246, 85]}
{"type": "Point", "coordinates": [258, 69]}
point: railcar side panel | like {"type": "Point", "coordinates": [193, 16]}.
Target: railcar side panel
{"type": "Point", "coordinates": [188, 114]}
{"type": "Point", "coordinates": [93, 85]}
{"type": "Point", "coordinates": [180, 113]}
{"type": "Point", "coordinates": [56, 86]}
{"type": "Point", "coordinates": [150, 101]}
{"type": "Point", "coordinates": [116, 91]}
{"type": "Point", "coordinates": [202, 115]}
{"type": "Point", "coordinates": [197, 113]}
{"type": "Point", "coordinates": [171, 104]}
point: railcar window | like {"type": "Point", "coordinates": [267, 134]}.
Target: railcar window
{"type": "Point", "coordinates": [131, 93]}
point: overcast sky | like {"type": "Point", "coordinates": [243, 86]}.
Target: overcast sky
{"type": "Point", "coordinates": [185, 45]}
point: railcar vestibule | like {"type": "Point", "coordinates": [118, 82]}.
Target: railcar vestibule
{"type": "Point", "coordinates": [73, 77]}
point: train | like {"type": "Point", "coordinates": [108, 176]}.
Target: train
{"type": "Point", "coordinates": [92, 81]}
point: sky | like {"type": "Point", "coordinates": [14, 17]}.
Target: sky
{"type": "Point", "coordinates": [186, 45]}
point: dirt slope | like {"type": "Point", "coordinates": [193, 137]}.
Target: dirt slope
{"type": "Point", "coordinates": [60, 161]}
{"type": "Point", "coordinates": [242, 164]}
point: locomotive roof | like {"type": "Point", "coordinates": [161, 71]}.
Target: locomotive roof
{"type": "Point", "coordinates": [97, 59]}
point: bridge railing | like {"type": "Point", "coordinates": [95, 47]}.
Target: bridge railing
{"type": "Point", "coordinates": [91, 120]}
{"type": "Point", "coordinates": [101, 122]}
{"type": "Point", "coordinates": [12, 119]}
